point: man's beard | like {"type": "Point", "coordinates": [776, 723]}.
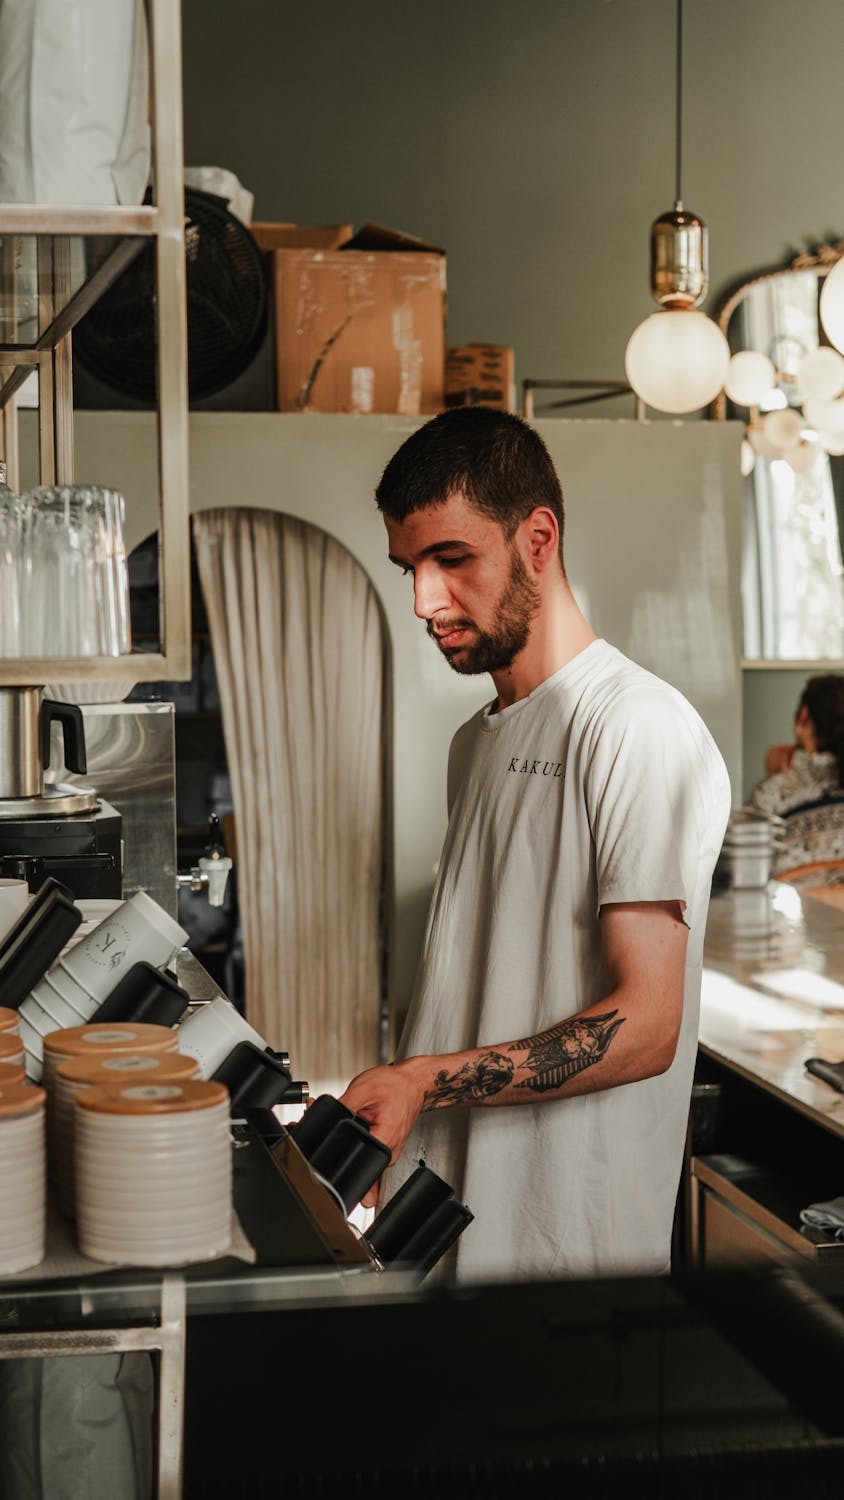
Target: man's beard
{"type": "Point", "coordinates": [496, 650]}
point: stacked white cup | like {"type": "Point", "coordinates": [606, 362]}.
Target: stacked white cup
{"type": "Point", "coordinates": [84, 976]}
{"type": "Point", "coordinates": [14, 899]}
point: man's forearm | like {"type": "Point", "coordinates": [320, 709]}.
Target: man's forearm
{"type": "Point", "coordinates": [519, 1072]}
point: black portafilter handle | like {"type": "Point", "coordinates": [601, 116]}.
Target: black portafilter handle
{"type": "Point", "coordinates": [258, 1080]}
{"type": "Point", "coordinates": [340, 1148]}
{"type": "Point", "coordinates": [419, 1224]}
{"type": "Point", "coordinates": [145, 993]}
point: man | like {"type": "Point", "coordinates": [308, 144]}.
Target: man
{"type": "Point", "coordinates": [546, 1063]}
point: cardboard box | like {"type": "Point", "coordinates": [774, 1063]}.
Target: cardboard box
{"type": "Point", "coordinates": [480, 375]}
{"type": "Point", "coordinates": [361, 329]}
{"type": "Point", "coordinates": [300, 236]}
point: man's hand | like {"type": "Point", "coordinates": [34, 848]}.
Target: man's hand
{"type": "Point", "coordinates": [779, 758]}
{"type": "Point", "coordinates": [389, 1098]}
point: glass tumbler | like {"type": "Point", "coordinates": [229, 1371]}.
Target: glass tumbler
{"type": "Point", "coordinates": [10, 561]}
{"type": "Point", "coordinates": [74, 588]}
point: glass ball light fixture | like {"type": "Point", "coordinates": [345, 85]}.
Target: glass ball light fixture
{"type": "Point", "coordinates": [677, 360]}
{"type": "Point", "coordinates": [796, 414]}
{"type": "Point", "coordinates": [832, 306]}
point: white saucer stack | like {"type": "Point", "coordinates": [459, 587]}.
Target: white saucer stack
{"type": "Point", "coordinates": [80, 1072]}
{"type": "Point", "coordinates": [22, 1177]}
{"type": "Point", "coordinates": [153, 1172]}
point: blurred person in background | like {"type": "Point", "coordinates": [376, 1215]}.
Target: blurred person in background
{"type": "Point", "coordinates": [805, 782]}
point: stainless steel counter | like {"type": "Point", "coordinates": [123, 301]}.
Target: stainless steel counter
{"type": "Point", "coordinates": [772, 993]}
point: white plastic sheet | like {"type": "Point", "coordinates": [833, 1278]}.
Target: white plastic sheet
{"type": "Point", "coordinates": [73, 101]}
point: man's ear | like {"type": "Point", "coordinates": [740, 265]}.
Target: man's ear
{"type": "Point", "coordinates": [541, 536]}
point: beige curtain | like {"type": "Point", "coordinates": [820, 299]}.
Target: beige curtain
{"type": "Point", "coordinates": [299, 648]}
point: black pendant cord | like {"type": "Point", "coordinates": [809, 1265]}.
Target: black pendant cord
{"type": "Point", "coordinates": [678, 121]}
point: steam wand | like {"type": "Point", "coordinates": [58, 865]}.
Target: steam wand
{"type": "Point", "coordinates": [211, 872]}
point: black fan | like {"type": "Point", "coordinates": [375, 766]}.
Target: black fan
{"type": "Point", "coordinates": [226, 302]}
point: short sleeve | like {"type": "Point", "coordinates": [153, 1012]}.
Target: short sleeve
{"type": "Point", "coordinates": [648, 782]}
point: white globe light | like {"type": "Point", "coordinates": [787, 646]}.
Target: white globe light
{"type": "Point", "coordinates": [748, 458]}
{"type": "Point", "coordinates": [761, 445]}
{"type": "Point", "coordinates": [832, 306]}
{"type": "Point", "coordinates": [826, 416]}
{"type": "Point", "coordinates": [783, 428]}
{"type": "Point", "coordinates": [821, 374]}
{"type": "Point", "coordinates": [802, 458]}
{"type": "Point", "coordinates": [677, 361]}
{"type": "Point", "coordinates": [749, 378]}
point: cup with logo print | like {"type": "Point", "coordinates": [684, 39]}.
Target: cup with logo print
{"type": "Point", "coordinates": [212, 1031]}
{"type": "Point", "coordinates": [137, 930]}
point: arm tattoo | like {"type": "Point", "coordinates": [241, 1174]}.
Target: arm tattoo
{"type": "Point", "coordinates": [478, 1080]}
{"type": "Point", "coordinates": [557, 1055]}
{"type": "Point", "coordinates": [554, 1057]}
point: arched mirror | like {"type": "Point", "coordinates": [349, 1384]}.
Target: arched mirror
{"type": "Point", "coordinates": [793, 518]}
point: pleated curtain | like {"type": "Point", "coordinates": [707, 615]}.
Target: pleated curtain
{"type": "Point", "coordinates": [300, 652]}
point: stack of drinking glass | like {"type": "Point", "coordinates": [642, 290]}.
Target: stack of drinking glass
{"type": "Point", "coordinates": [750, 844]}
{"type": "Point", "coordinates": [64, 586]}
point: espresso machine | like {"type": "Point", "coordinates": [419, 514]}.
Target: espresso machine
{"type": "Point", "coordinates": [63, 831]}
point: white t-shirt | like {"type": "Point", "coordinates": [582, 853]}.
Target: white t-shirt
{"type": "Point", "coordinates": [603, 785]}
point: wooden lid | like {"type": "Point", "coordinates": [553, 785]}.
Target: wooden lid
{"type": "Point", "coordinates": [132, 1067]}
{"type": "Point", "coordinates": [153, 1098]}
{"type": "Point", "coordinates": [11, 1072]}
{"type": "Point", "coordinates": [8, 1018]}
{"type": "Point", "coordinates": [20, 1099]}
{"type": "Point", "coordinates": [11, 1046]}
{"type": "Point", "coordinates": [103, 1038]}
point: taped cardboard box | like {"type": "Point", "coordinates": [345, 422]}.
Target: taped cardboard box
{"type": "Point", "coordinates": [480, 375]}
{"type": "Point", "coordinates": [361, 329]}
{"type": "Point", "coordinates": [299, 236]}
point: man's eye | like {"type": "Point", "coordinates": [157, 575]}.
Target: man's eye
{"type": "Point", "coordinates": [451, 562]}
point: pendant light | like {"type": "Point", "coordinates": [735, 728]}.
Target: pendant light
{"type": "Point", "coordinates": [676, 361]}
{"type": "Point", "coordinates": [832, 306]}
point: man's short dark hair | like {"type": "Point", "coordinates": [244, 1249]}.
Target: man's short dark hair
{"type": "Point", "coordinates": [495, 459]}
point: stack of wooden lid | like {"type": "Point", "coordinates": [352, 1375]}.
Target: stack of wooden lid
{"type": "Point", "coordinates": [80, 1072]}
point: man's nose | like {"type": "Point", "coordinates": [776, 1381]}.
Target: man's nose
{"type": "Point", "coordinates": [430, 593]}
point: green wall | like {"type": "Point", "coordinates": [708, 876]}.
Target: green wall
{"type": "Point", "coordinates": [534, 141]}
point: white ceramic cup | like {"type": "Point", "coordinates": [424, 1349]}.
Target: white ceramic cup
{"type": "Point", "coordinates": [53, 1004]}
{"type": "Point", "coordinates": [212, 1031]}
{"type": "Point", "coordinates": [14, 899]}
{"type": "Point", "coordinates": [138, 930]}
{"type": "Point", "coordinates": [63, 982]}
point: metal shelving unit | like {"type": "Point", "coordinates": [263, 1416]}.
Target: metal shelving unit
{"type": "Point", "coordinates": [55, 262]}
